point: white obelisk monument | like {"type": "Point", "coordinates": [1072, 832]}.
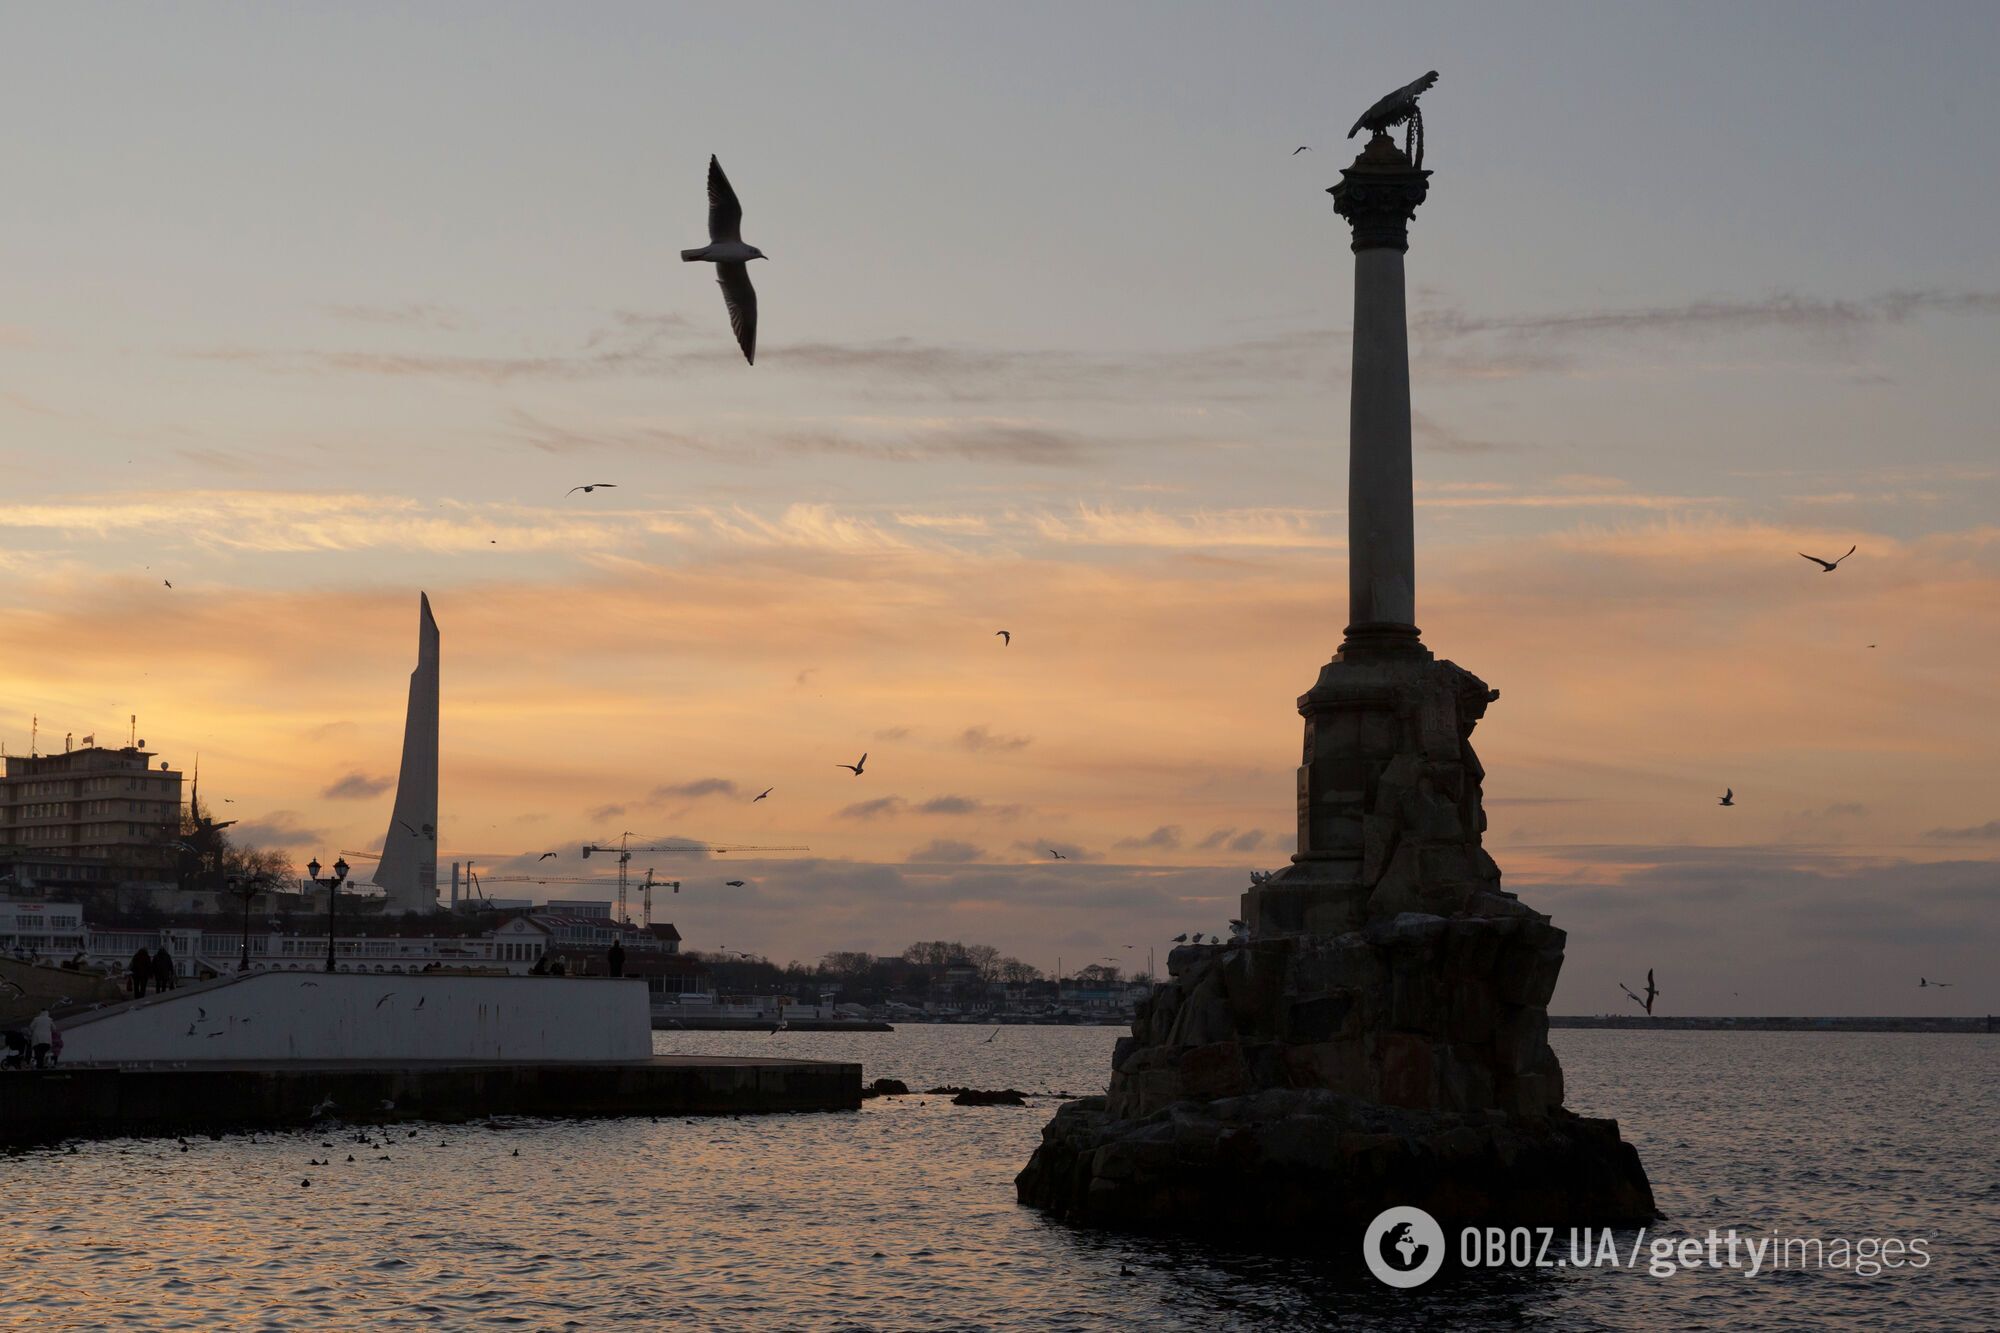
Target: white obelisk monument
{"type": "Point", "coordinates": [407, 872]}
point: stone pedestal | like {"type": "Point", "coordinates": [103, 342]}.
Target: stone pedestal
{"type": "Point", "coordinates": [1379, 1036]}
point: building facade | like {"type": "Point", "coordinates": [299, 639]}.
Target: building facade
{"type": "Point", "coordinates": [93, 817]}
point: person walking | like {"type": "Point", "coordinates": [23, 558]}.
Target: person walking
{"type": "Point", "coordinates": [141, 969]}
{"type": "Point", "coordinates": [41, 1036]}
{"type": "Point", "coordinates": [163, 969]}
{"type": "Point", "coordinates": [615, 960]}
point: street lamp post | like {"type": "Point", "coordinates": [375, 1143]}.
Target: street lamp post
{"type": "Point", "coordinates": [245, 886]}
{"type": "Point", "coordinates": [332, 886]}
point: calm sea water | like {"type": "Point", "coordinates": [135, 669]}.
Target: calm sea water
{"type": "Point", "coordinates": [902, 1216]}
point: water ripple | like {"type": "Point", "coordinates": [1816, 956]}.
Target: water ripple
{"type": "Point", "coordinates": [902, 1216]}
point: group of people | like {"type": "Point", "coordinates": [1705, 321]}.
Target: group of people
{"type": "Point", "coordinates": [156, 967]}
{"type": "Point", "coordinates": [38, 1046]}
{"type": "Point", "coordinates": [553, 964]}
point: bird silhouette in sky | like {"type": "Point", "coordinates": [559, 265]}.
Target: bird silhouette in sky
{"type": "Point", "coordinates": [1652, 992]}
{"type": "Point", "coordinates": [1306, 148]}
{"type": "Point", "coordinates": [733, 883]}
{"type": "Point", "coordinates": [607, 485]}
{"type": "Point", "coordinates": [1925, 981]}
{"type": "Point", "coordinates": [544, 856]}
{"type": "Point", "coordinates": [1057, 855]}
{"type": "Point", "coordinates": [731, 257]}
{"type": "Point", "coordinates": [168, 582]}
{"type": "Point", "coordinates": [1728, 797]}
{"type": "Point", "coordinates": [1005, 636]}
{"type": "Point", "coordinates": [1828, 566]}
{"type": "Point", "coordinates": [856, 768]}
{"type": "Point", "coordinates": [762, 794]}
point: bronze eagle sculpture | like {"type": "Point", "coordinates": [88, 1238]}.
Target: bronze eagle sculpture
{"type": "Point", "coordinates": [1395, 109]}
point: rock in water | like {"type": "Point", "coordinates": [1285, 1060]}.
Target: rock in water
{"type": "Point", "coordinates": [1381, 1036]}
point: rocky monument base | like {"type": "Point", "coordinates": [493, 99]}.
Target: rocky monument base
{"type": "Point", "coordinates": [1375, 1035]}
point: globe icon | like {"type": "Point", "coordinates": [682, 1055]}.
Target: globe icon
{"type": "Point", "coordinates": [1409, 1249]}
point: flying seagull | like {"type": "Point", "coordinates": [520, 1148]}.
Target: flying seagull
{"type": "Point", "coordinates": [1652, 992]}
{"type": "Point", "coordinates": [731, 258]}
{"type": "Point", "coordinates": [385, 999]}
{"type": "Point", "coordinates": [1925, 981]}
{"type": "Point", "coordinates": [1827, 566]}
{"type": "Point", "coordinates": [607, 485]}
{"type": "Point", "coordinates": [1057, 855]}
{"type": "Point", "coordinates": [544, 856]}
{"type": "Point", "coordinates": [856, 768]}
{"type": "Point", "coordinates": [1004, 636]}
{"type": "Point", "coordinates": [1306, 148]}
{"type": "Point", "coordinates": [733, 883]}
{"type": "Point", "coordinates": [762, 794]}
{"type": "Point", "coordinates": [168, 582]}
{"type": "Point", "coordinates": [1728, 797]}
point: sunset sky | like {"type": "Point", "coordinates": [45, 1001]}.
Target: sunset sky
{"type": "Point", "coordinates": [309, 310]}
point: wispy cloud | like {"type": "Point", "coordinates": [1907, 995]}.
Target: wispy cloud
{"type": "Point", "coordinates": [966, 805]}
{"type": "Point", "coordinates": [980, 740]}
{"type": "Point", "coordinates": [879, 808]}
{"type": "Point", "coordinates": [357, 786]}
{"type": "Point", "coordinates": [693, 791]}
{"type": "Point", "coordinates": [946, 851]}
{"type": "Point", "coordinates": [1990, 830]}
{"type": "Point", "coordinates": [404, 316]}
{"type": "Point", "coordinates": [1270, 528]}
{"type": "Point", "coordinates": [1165, 838]}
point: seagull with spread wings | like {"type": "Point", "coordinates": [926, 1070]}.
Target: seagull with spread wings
{"type": "Point", "coordinates": [731, 257]}
{"type": "Point", "coordinates": [1827, 566]}
{"type": "Point", "coordinates": [856, 768]}
{"type": "Point", "coordinates": [1652, 992]}
{"type": "Point", "coordinates": [607, 485]}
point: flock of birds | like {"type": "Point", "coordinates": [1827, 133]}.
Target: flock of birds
{"type": "Point", "coordinates": [1728, 798]}
{"type": "Point", "coordinates": [731, 255]}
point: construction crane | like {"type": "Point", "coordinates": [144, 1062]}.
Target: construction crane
{"type": "Point", "coordinates": [624, 849]}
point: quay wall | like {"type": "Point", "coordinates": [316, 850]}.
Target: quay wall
{"type": "Point", "coordinates": [292, 1016]}
{"type": "Point", "coordinates": [47, 1105]}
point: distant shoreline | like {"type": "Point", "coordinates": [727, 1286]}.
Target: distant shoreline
{"type": "Point", "coordinates": [1657, 1023]}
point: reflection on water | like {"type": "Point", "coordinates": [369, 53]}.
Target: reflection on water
{"type": "Point", "coordinates": [902, 1216]}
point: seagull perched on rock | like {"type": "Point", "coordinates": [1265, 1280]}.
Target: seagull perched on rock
{"type": "Point", "coordinates": [1181, 938]}
{"type": "Point", "coordinates": [856, 768]}
{"type": "Point", "coordinates": [1728, 797]}
{"type": "Point", "coordinates": [1827, 566]}
{"type": "Point", "coordinates": [731, 257]}
{"type": "Point", "coordinates": [606, 485]}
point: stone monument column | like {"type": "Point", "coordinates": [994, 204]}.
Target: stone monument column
{"type": "Point", "coordinates": [1378, 196]}
{"type": "Point", "coordinates": [1375, 1031]}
